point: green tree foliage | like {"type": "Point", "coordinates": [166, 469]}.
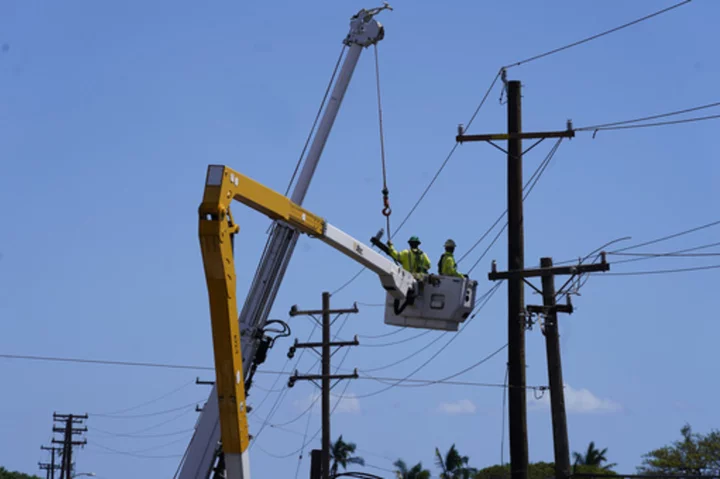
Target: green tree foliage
{"type": "Point", "coordinates": [415, 472]}
{"type": "Point", "coordinates": [453, 465]}
{"type": "Point", "coordinates": [536, 470]}
{"type": "Point", "coordinates": [696, 454]}
{"type": "Point", "coordinates": [342, 455]}
{"type": "Point", "coordinates": [593, 457]}
{"type": "Point", "coordinates": [5, 474]}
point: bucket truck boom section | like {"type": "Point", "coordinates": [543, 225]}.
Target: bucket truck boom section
{"type": "Point", "coordinates": [217, 230]}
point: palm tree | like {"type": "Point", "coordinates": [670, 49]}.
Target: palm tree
{"type": "Point", "coordinates": [341, 454]}
{"type": "Point", "coordinates": [593, 457]}
{"type": "Point", "coordinates": [454, 466]}
{"type": "Point", "coordinates": [416, 472]}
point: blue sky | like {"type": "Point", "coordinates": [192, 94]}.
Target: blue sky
{"type": "Point", "coordinates": [112, 112]}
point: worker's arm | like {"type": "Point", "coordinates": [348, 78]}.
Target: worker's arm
{"type": "Point", "coordinates": [393, 252]}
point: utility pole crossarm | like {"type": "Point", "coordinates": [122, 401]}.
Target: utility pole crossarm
{"type": "Point", "coordinates": [516, 136]}
{"type": "Point", "coordinates": [494, 275]}
{"type": "Point", "coordinates": [558, 308]}
{"type": "Point", "coordinates": [296, 312]}
{"type": "Point", "coordinates": [315, 377]}
{"type": "Point", "coordinates": [318, 345]}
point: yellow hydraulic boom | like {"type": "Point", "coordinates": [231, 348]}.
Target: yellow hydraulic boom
{"type": "Point", "coordinates": [216, 230]}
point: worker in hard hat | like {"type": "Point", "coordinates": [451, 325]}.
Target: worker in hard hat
{"type": "Point", "coordinates": [447, 265]}
{"type": "Point", "coordinates": [413, 259]}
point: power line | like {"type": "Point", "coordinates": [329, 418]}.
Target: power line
{"type": "Point", "coordinates": [157, 413]}
{"type": "Point", "coordinates": [115, 363]}
{"type": "Point", "coordinates": [432, 181]}
{"type": "Point", "coordinates": [142, 436]}
{"type": "Point", "coordinates": [664, 271]}
{"type": "Point", "coordinates": [142, 456]}
{"type": "Point", "coordinates": [653, 117]}
{"type": "Point", "coordinates": [285, 456]}
{"type": "Point", "coordinates": [452, 151]}
{"type": "Point", "coordinates": [529, 185]}
{"type": "Point", "coordinates": [665, 238]}
{"type": "Point", "coordinates": [659, 123]}
{"type": "Point", "coordinates": [155, 426]}
{"type": "Point", "coordinates": [585, 40]}
{"type": "Point", "coordinates": [183, 386]}
{"type": "Point", "coordinates": [646, 256]}
{"type": "Point", "coordinates": [482, 102]}
{"type": "Point", "coordinates": [446, 380]}
{"type": "Point", "coordinates": [425, 347]}
{"type": "Point", "coordinates": [464, 326]}
{"type": "Point", "coordinates": [671, 255]}
{"type": "Point", "coordinates": [317, 117]}
{"type": "Point", "coordinates": [400, 341]}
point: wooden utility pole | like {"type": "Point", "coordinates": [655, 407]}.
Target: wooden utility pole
{"type": "Point", "coordinates": [51, 467]}
{"type": "Point", "coordinates": [68, 432]}
{"type": "Point", "coordinates": [517, 404]}
{"type": "Point", "coordinates": [555, 378]}
{"type": "Point", "coordinates": [325, 377]}
{"type": "Point", "coordinates": [549, 309]}
{"type": "Point", "coordinates": [516, 293]}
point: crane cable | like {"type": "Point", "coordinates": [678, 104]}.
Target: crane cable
{"type": "Point", "coordinates": [387, 211]}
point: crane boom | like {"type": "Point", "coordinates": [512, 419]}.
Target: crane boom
{"type": "Point", "coordinates": [205, 443]}
{"type": "Point", "coordinates": [216, 231]}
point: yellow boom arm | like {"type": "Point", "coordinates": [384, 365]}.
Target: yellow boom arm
{"type": "Point", "coordinates": [222, 186]}
{"type": "Point", "coordinates": [216, 231]}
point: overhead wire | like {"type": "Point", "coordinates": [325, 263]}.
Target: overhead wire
{"type": "Point", "coordinates": [105, 362]}
{"type": "Point", "coordinates": [362, 376]}
{"type": "Point", "coordinates": [668, 237]}
{"type": "Point", "coordinates": [416, 370]}
{"type": "Point", "coordinates": [284, 456]}
{"type": "Point", "coordinates": [452, 376]}
{"type": "Point", "coordinates": [317, 117]}
{"type": "Point", "coordinates": [662, 271]}
{"type": "Point", "coordinates": [669, 255]}
{"type": "Point", "coordinates": [593, 37]}
{"type": "Point", "coordinates": [151, 414]}
{"type": "Point", "coordinates": [307, 428]}
{"type": "Point", "coordinates": [529, 186]}
{"type": "Point", "coordinates": [120, 411]}
{"type": "Point", "coordinates": [653, 117]}
{"type": "Point", "coordinates": [647, 256]}
{"type": "Point", "coordinates": [500, 74]}
{"type": "Point", "coordinates": [268, 418]}
{"type": "Point", "coordinates": [394, 343]}
{"type": "Point", "coordinates": [430, 184]}
{"type": "Point", "coordinates": [283, 393]}
{"type": "Point", "coordinates": [659, 123]}
{"type": "Point", "coordinates": [426, 346]}
{"type": "Point", "coordinates": [136, 453]}
{"type": "Point", "coordinates": [142, 436]}
{"type": "Point", "coordinates": [287, 361]}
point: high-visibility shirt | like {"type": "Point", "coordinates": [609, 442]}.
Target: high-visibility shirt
{"type": "Point", "coordinates": [413, 260]}
{"type": "Point", "coordinates": [447, 265]}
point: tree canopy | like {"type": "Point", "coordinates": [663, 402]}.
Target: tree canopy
{"type": "Point", "coordinates": [695, 454]}
{"type": "Point", "coordinates": [5, 474]}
